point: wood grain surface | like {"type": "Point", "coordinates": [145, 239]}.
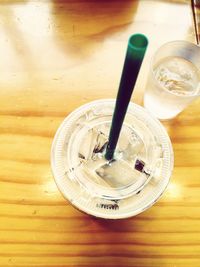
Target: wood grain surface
{"type": "Point", "coordinates": [55, 56]}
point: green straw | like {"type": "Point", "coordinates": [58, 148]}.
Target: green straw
{"type": "Point", "coordinates": [137, 45]}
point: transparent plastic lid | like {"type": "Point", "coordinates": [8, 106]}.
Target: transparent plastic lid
{"type": "Point", "coordinates": [120, 188]}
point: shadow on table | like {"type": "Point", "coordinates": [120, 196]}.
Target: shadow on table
{"type": "Point", "coordinates": [127, 242]}
{"type": "Point", "coordinates": [82, 26]}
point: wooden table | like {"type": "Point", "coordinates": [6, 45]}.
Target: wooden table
{"type": "Point", "coordinates": [55, 56]}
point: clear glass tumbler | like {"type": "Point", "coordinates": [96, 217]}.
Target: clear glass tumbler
{"type": "Point", "coordinates": [174, 79]}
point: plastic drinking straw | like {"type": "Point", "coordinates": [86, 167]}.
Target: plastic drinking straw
{"type": "Point", "coordinates": [137, 45]}
{"type": "Point", "coordinates": [195, 12]}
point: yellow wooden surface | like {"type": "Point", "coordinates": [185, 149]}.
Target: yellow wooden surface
{"type": "Point", "coordinates": [55, 56]}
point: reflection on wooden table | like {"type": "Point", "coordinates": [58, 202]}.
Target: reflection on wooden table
{"type": "Point", "coordinates": [55, 56]}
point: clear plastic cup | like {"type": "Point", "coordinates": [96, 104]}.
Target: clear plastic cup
{"type": "Point", "coordinates": [123, 187]}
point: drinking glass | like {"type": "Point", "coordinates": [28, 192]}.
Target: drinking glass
{"type": "Point", "coordinates": [174, 79]}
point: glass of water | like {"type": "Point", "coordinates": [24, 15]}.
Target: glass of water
{"type": "Point", "coordinates": [113, 189]}
{"type": "Point", "coordinates": [174, 79]}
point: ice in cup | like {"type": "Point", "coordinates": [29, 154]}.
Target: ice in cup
{"type": "Point", "coordinates": [126, 185]}
{"type": "Point", "coordinates": [174, 79]}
